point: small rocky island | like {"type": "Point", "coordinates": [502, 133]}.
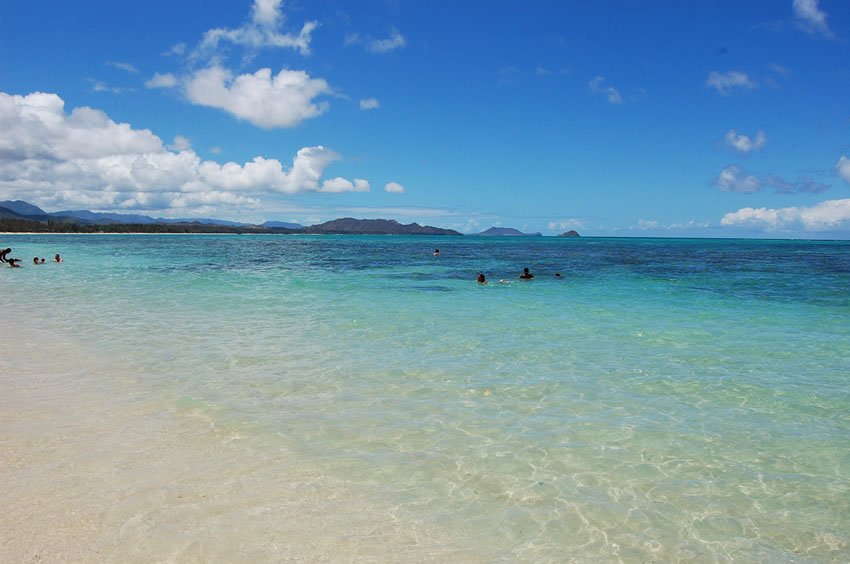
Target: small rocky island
{"type": "Point", "coordinates": [570, 233]}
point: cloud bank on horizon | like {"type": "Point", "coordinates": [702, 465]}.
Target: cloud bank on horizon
{"type": "Point", "coordinates": [482, 133]}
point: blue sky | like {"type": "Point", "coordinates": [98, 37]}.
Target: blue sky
{"type": "Point", "coordinates": [661, 118]}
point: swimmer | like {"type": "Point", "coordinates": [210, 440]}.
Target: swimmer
{"type": "Point", "coordinates": [13, 263]}
{"type": "Point", "coordinates": [41, 261]}
{"type": "Point", "coordinates": [526, 275]}
{"type": "Point", "coordinates": [57, 258]}
{"type": "Point", "coordinates": [481, 279]}
{"type": "Point", "coordinates": [436, 252]}
{"type": "Point", "coordinates": [35, 260]}
{"type": "Point", "coordinates": [557, 275]}
{"type": "Point", "coordinates": [3, 254]}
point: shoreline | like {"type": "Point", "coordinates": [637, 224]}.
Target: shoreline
{"type": "Point", "coordinates": [96, 467]}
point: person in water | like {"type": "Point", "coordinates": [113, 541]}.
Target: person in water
{"type": "Point", "coordinates": [42, 260]}
{"type": "Point", "coordinates": [35, 260]}
{"type": "Point", "coordinates": [3, 254]}
{"type": "Point", "coordinates": [13, 263]}
{"type": "Point", "coordinates": [557, 275]}
{"type": "Point", "coordinates": [481, 279]}
{"type": "Point", "coordinates": [526, 275]}
{"type": "Point", "coordinates": [57, 258]}
{"type": "Point", "coordinates": [436, 252]}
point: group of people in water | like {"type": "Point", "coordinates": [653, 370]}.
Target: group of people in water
{"type": "Point", "coordinates": [15, 262]}
{"type": "Point", "coordinates": [526, 274]}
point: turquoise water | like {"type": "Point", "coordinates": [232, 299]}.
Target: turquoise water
{"type": "Point", "coordinates": [663, 400]}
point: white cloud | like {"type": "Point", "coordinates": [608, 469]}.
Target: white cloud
{"type": "Point", "coordinates": [178, 49]}
{"type": "Point", "coordinates": [779, 69]}
{"type": "Point", "coordinates": [565, 224]}
{"type": "Point", "coordinates": [267, 101]}
{"type": "Point", "coordinates": [744, 143]}
{"type": "Point", "coordinates": [647, 224]}
{"type": "Point", "coordinates": [126, 67]}
{"type": "Point", "coordinates": [393, 42]}
{"type": "Point", "coordinates": [394, 188]}
{"type": "Point", "coordinates": [262, 31]}
{"type": "Point", "coordinates": [597, 87]}
{"type": "Point", "coordinates": [729, 82]}
{"type": "Point", "coordinates": [378, 46]}
{"type": "Point", "coordinates": [86, 159]}
{"type": "Point", "coordinates": [735, 179]}
{"type": "Point", "coordinates": [825, 216]}
{"type": "Point", "coordinates": [216, 150]}
{"type": "Point", "coordinates": [783, 186]}
{"type": "Point", "coordinates": [369, 104]}
{"type": "Point", "coordinates": [810, 18]}
{"type": "Point", "coordinates": [843, 168]}
{"type": "Point", "coordinates": [100, 86]}
{"type": "Point", "coordinates": [337, 185]}
{"type": "Point", "coordinates": [180, 143]}
{"type": "Point", "coordinates": [158, 80]}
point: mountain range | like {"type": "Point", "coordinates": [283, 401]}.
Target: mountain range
{"type": "Point", "coordinates": [18, 215]}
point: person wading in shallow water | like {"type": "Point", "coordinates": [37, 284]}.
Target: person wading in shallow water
{"type": "Point", "coordinates": [3, 254]}
{"type": "Point", "coordinates": [526, 275]}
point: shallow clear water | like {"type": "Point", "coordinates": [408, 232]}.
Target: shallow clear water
{"type": "Point", "coordinates": [663, 400]}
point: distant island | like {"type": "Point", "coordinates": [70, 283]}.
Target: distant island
{"type": "Point", "coordinates": [19, 217]}
{"type": "Point", "coordinates": [570, 233]}
{"type": "Point", "coordinates": [507, 232]}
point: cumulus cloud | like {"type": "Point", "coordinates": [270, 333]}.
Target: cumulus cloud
{"type": "Point", "coordinates": [282, 100]}
{"type": "Point", "coordinates": [158, 80]}
{"type": "Point", "coordinates": [825, 216]}
{"type": "Point", "coordinates": [369, 104]}
{"type": "Point", "coordinates": [843, 168]}
{"type": "Point", "coordinates": [810, 18]}
{"type": "Point", "coordinates": [727, 83]}
{"type": "Point", "coordinates": [378, 46]}
{"type": "Point", "coordinates": [337, 185]}
{"type": "Point", "coordinates": [394, 188]}
{"type": "Point", "coordinates": [262, 31]}
{"type": "Point", "coordinates": [744, 143]}
{"type": "Point", "coordinates": [733, 178]}
{"type": "Point", "coordinates": [597, 86]}
{"type": "Point", "coordinates": [86, 159]}
{"type": "Point", "coordinates": [180, 143]}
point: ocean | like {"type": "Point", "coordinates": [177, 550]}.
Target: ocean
{"type": "Point", "coordinates": [207, 397]}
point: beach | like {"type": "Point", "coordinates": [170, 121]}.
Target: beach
{"type": "Point", "coordinates": [209, 398]}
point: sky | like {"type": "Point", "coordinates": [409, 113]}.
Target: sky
{"type": "Point", "coordinates": [613, 118]}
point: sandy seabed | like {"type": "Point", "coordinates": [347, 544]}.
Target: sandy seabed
{"type": "Point", "coordinates": [95, 468]}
